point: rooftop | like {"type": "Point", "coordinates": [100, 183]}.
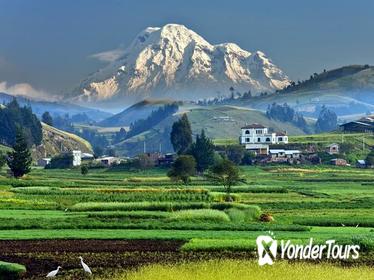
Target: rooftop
{"type": "Point", "coordinates": [254, 125]}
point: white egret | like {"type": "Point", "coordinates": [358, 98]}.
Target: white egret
{"type": "Point", "coordinates": [85, 267]}
{"type": "Point", "coordinates": [54, 272]}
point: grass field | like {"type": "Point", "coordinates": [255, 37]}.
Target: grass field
{"type": "Point", "coordinates": [234, 269]}
{"type": "Point", "coordinates": [322, 202]}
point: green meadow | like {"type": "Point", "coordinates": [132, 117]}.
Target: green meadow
{"type": "Point", "coordinates": [319, 202]}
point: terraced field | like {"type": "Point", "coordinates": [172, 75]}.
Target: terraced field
{"type": "Point", "coordinates": [108, 215]}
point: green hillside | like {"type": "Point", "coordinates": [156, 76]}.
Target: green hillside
{"type": "Point", "coordinates": [347, 90]}
{"type": "Point", "coordinates": [4, 149]}
{"type": "Point", "coordinates": [55, 140]}
{"type": "Point", "coordinates": [217, 121]}
{"type": "Point", "coordinates": [137, 111]}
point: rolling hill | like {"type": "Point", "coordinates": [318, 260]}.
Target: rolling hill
{"type": "Point", "coordinates": [348, 91]}
{"type": "Point", "coordinates": [56, 141]}
{"type": "Point", "coordinates": [140, 110]}
{"type": "Point", "coordinates": [217, 121]}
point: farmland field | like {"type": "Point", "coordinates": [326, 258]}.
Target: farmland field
{"type": "Point", "coordinates": [119, 221]}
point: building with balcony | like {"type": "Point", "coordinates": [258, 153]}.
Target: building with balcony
{"type": "Point", "coordinates": [257, 138]}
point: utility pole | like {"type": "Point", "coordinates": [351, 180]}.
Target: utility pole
{"type": "Point", "coordinates": [363, 143]}
{"type": "Point", "coordinates": [160, 150]}
{"type": "Point", "coordinates": [144, 147]}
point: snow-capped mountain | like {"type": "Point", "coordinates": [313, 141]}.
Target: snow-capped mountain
{"type": "Point", "coordinates": [175, 62]}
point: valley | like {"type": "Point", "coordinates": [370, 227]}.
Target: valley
{"type": "Point", "coordinates": [194, 140]}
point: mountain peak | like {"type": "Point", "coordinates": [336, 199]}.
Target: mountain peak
{"type": "Point", "coordinates": [177, 63]}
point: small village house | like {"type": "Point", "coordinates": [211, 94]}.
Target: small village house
{"type": "Point", "coordinates": [43, 162]}
{"type": "Point", "coordinates": [108, 161]}
{"type": "Point", "coordinates": [166, 160]}
{"type": "Point", "coordinates": [365, 124]}
{"type": "Point", "coordinates": [87, 156]}
{"type": "Point", "coordinates": [332, 149]}
{"type": "Point", "coordinates": [281, 155]}
{"type": "Point", "coordinates": [361, 163]}
{"type": "Point", "coordinates": [339, 162]}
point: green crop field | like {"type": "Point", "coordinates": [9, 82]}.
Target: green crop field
{"type": "Point", "coordinates": [319, 202]}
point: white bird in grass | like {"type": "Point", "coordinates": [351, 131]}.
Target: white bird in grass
{"type": "Point", "coordinates": [357, 225]}
{"type": "Point", "coordinates": [343, 225]}
{"type": "Point", "coordinates": [54, 272]}
{"type": "Point", "coordinates": [85, 267]}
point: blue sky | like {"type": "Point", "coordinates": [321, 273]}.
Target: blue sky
{"type": "Point", "coordinates": [48, 44]}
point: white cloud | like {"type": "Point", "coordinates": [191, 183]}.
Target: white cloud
{"type": "Point", "coordinates": [108, 56]}
{"type": "Point", "coordinates": [25, 90]}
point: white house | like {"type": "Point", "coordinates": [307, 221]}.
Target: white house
{"type": "Point", "coordinates": [108, 161]}
{"type": "Point", "coordinates": [77, 157]}
{"type": "Point", "coordinates": [87, 156]}
{"type": "Point", "coordinates": [257, 138]}
{"type": "Point", "coordinates": [332, 149]}
{"type": "Point", "coordinates": [281, 154]}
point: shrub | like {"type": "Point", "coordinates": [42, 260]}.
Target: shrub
{"type": "Point", "coordinates": [266, 217]}
{"type": "Point", "coordinates": [183, 168]}
{"type": "Point", "coordinates": [11, 271]}
{"type": "Point", "coordinates": [84, 170]}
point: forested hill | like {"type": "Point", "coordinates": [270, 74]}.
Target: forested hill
{"type": "Point", "coordinates": [345, 78]}
{"type": "Point", "coordinates": [13, 118]}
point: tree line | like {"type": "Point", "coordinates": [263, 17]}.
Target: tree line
{"type": "Point", "coordinates": [14, 118]}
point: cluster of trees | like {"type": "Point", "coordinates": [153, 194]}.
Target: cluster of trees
{"type": "Point", "coordinates": [202, 149]}
{"type": "Point", "coordinates": [285, 113]}
{"type": "Point", "coordinates": [327, 120]}
{"type": "Point", "coordinates": [144, 124]}
{"type": "Point", "coordinates": [234, 95]}
{"type": "Point", "coordinates": [14, 118]}
{"type": "Point", "coordinates": [199, 156]}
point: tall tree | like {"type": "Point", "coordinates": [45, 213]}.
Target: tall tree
{"type": "Point", "coordinates": [327, 120]}
{"type": "Point", "coordinates": [181, 135]}
{"type": "Point", "coordinates": [47, 118]}
{"type": "Point", "coordinates": [203, 152]}
{"type": "Point", "coordinates": [183, 168]}
{"type": "Point", "coordinates": [225, 173]}
{"type": "Point", "coordinates": [19, 160]}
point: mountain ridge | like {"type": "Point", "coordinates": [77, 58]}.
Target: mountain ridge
{"type": "Point", "coordinates": [175, 62]}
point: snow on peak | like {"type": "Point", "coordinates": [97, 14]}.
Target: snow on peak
{"type": "Point", "coordinates": [175, 62]}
